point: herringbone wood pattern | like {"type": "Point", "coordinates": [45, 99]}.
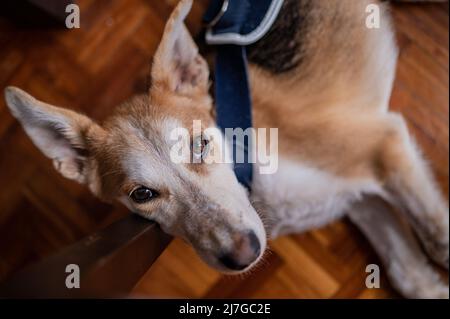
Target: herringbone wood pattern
{"type": "Point", "coordinates": [106, 61]}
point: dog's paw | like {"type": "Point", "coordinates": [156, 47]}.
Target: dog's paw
{"type": "Point", "coordinates": [418, 280]}
{"type": "Point", "coordinates": [432, 291]}
{"type": "Point", "coordinates": [430, 288]}
{"type": "Point", "coordinates": [437, 248]}
{"type": "Point", "coordinates": [435, 239]}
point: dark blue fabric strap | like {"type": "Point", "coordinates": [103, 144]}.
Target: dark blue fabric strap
{"type": "Point", "coordinates": [233, 103]}
{"type": "Point", "coordinates": [232, 91]}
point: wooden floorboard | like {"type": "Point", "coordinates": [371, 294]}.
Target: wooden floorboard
{"type": "Point", "coordinates": [107, 60]}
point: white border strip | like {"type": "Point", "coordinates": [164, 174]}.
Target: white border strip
{"type": "Point", "coordinates": [252, 37]}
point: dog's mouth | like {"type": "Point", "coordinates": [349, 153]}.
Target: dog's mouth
{"type": "Point", "coordinates": [229, 266]}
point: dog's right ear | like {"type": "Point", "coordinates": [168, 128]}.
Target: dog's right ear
{"type": "Point", "coordinates": [62, 135]}
{"type": "Point", "coordinates": [177, 65]}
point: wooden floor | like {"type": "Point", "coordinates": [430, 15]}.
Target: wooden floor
{"type": "Point", "coordinates": [106, 61]}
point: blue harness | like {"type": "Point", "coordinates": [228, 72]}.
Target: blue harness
{"type": "Point", "coordinates": [231, 26]}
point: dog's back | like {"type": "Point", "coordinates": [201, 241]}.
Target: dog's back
{"type": "Point", "coordinates": [319, 76]}
{"type": "Point", "coordinates": [321, 53]}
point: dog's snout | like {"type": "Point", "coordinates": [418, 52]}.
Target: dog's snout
{"type": "Point", "coordinates": [245, 251]}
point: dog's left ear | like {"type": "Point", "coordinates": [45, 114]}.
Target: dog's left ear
{"type": "Point", "coordinates": [177, 65]}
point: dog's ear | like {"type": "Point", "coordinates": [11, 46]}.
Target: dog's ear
{"type": "Point", "coordinates": [62, 135]}
{"type": "Point", "coordinates": [177, 65]}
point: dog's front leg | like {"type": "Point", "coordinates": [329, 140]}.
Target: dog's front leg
{"type": "Point", "coordinates": [407, 266]}
{"type": "Point", "coordinates": [411, 188]}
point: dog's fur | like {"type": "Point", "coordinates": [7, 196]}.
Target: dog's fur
{"type": "Point", "coordinates": [341, 150]}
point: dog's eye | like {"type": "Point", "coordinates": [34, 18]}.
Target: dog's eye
{"type": "Point", "coordinates": [200, 147]}
{"type": "Point", "coordinates": [143, 194]}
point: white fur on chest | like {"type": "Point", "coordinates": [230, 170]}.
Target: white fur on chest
{"type": "Point", "coordinates": [298, 197]}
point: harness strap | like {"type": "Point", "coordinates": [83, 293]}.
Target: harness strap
{"type": "Point", "coordinates": [232, 25]}
{"type": "Point", "coordinates": [233, 104]}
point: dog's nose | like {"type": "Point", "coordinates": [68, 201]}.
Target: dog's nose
{"type": "Point", "coordinates": [246, 250]}
{"type": "Point", "coordinates": [254, 243]}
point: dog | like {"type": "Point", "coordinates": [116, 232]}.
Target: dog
{"type": "Point", "coordinates": [341, 151]}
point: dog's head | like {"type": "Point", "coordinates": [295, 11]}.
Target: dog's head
{"type": "Point", "coordinates": [128, 158]}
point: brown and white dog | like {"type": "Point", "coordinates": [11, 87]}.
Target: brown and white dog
{"type": "Point", "coordinates": [341, 152]}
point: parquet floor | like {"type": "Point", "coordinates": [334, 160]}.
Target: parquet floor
{"type": "Point", "coordinates": [106, 61]}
